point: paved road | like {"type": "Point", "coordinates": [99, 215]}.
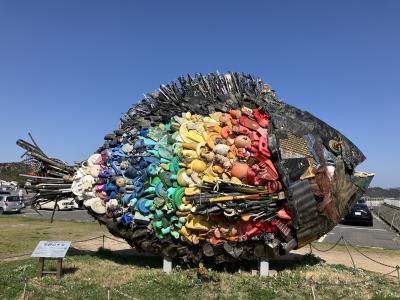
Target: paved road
{"type": "Point", "coordinates": [75, 215]}
{"type": "Point", "coordinates": [378, 236]}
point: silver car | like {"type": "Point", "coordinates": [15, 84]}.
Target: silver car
{"type": "Point", "coordinates": [10, 203]}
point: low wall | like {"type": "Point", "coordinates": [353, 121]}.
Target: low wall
{"type": "Point", "coordinates": [389, 214]}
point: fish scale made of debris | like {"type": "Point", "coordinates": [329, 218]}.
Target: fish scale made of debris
{"type": "Point", "coordinates": [205, 94]}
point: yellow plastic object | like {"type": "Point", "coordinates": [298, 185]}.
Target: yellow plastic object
{"type": "Point", "coordinates": [188, 115]}
{"type": "Point", "coordinates": [211, 139]}
{"type": "Point", "coordinates": [189, 191]}
{"type": "Point", "coordinates": [236, 180]}
{"type": "Point", "coordinates": [218, 169]}
{"type": "Point", "coordinates": [231, 155]}
{"type": "Point", "coordinates": [195, 136]}
{"type": "Point", "coordinates": [198, 166]}
{"type": "Point", "coordinates": [164, 166]}
{"type": "Point", "coordinates": [209, 179]}
{"type": "Point", "coordinates": [199, 148]}
{"type": "Point", "coordinates": [183, 132]}
{"type": "Point", "coordinates": [196, 222]}
{"type": "Point", "coordinates": [210, 120]}
{"type": "Point", "coordinates": [218, 129]}
{"type": "Point", "coordinates": [210, 171]}
{"type": "Point", "coordinates": [182, 178]}
{"type": "Point", "coordinates": [187, 233]}
{"type": "Point", "coordinates": [210, 125]}
{"type": "Point", "coordinates": [190, 146]}
{"type": "Point", "coordinates": [216, 115]}
{"type": "Point", "coordinates": [190, 154]}
{"type": "Point", "coordinates": [185, 207]}
{"type": "Point", "coordinates": [208, 156]}
{"type": "Point", "coordinates": [200, 128]}
{"type": "Point", "coordinates": [182, 213]}
{"type": "Point", "coordinates": [225, 177]}
{"type": "Point", "coordinates": [196, 179]}
{"type": "Point", "coordinates": [309, 172]}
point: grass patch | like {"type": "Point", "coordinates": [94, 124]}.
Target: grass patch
{"type": "Point", "coordinates": [90, 277]}
{"type": "Point", "coordinates": [21, 234]}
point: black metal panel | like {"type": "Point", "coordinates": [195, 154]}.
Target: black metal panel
{"type": "Point", "coordinates": [304, 206]}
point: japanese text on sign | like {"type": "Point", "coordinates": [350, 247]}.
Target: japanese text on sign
{"type": "Point", "coordinates": [55, 249]}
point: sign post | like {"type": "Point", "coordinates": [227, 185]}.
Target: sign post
{"type": "Point", "coordinates": [51, 250]}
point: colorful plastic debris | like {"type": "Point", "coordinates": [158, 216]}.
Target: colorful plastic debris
{"type": "Point", "coordinates": [217, 168]}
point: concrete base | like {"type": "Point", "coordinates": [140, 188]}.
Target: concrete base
{"type": "Point", "coordinates": [167, 265]}
{"type": "Point", "coordinates": [264, 267]}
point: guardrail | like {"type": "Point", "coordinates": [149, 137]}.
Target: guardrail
{"type": "Point", "coordinates": [392, 202]}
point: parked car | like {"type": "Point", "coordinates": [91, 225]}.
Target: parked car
{"type": "Point", "coordinates": [359, 214]}
{"type": "Point", "coordinates": [10, 203]}
{"type": "Point", "coordinates": [64, 204]}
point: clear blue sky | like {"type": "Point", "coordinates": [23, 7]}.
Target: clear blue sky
{"type": "Point", "coordinates": [68, 69]}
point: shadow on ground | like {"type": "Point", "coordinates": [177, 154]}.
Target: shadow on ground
{"type": "Point", "coordinates": [133, 257]}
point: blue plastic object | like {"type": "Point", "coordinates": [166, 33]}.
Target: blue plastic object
{"type": "Point", "coordinates": [126, 218]}
{"type": "Point", "coordinates": [141, 204]}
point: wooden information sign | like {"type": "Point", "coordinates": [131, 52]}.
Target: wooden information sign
{"type": "Point", "coordinates": [51, 250]}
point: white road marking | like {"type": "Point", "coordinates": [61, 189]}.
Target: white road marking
{"type": "Point", "coordinates": [321, 239]}
{"type": "Point", "coordinates": [360, 228]}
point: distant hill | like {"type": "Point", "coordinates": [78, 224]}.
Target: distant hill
{"type": "Point", "coordinates": [10, 171]}
{"type": "Point", "coordinates": [380, 192]}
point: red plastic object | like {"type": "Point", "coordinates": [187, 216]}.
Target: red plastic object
{"type": "Point", "coordinates": [274, 186]}
{"type": "Point", "coordinates": [241, 152]}
{"type": "Point", "coordinates": [259, 227]}
{"type": "Point", "coordinates": [226, 132]}
{"type": "Point", "coordinates": [246, 122]}
{"type": "Point", "coordinates": [263, 132]}
{"type": "Point", "coordinates": [214, 241]}
{"type": "Point", "coordinates": [253, 135]}
{"type": "Point", "coordinates": [241, 129]}
{"type": "Point", "coordinates": [252, 149]}
{"type": "Point", "coordinates": [268, 170]}
{"type": "Point", "coordinates": [261, 117]}
{"type": "Point", "coordinates": [283, 214]}
{"type": "Point", "coordinates": [263, 147]}
{"type": "Point", "coordinates": [235, 113]}
{"type": "Point", "coordinates": [251, 176]}
{"type": "Point", "coordinates": [283, 228]}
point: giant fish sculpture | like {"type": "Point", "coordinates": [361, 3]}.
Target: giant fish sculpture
{"type": "Point", "coordinates": [215, 168]}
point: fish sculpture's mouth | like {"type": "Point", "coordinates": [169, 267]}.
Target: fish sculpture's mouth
{"type": "Point", "coordinates": [216, 168]}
